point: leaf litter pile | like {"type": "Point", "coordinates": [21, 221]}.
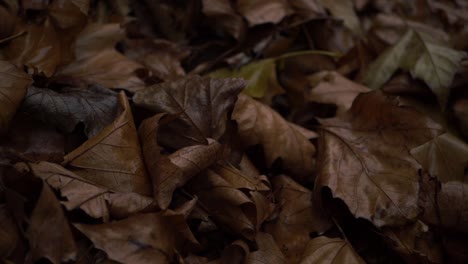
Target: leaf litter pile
{"type": "Point", "coordinates": [218, 131]}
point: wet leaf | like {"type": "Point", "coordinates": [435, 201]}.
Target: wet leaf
{"type": "Point", "coordinates": [203, 105]}
{"type": "Point", "coordinates": [112, 159]}
{"type": "Point", "coordinates": [330, 250]}
{"type": "Point", "coordinates": [13, 88]}
{"type": "Point", "coordinates": [259, 124]}
{"type": "Point", "coordinates": [95, 106]}
{"type": "Point", "coordinates": [371, 147]}
{"type": "Point", "coordinates": [424, 56]}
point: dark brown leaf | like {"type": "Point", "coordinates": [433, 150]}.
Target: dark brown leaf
{"type": "Point", "coordinates": [261, 12]}
{"type": "Point", "coordinates": [95, 106]}
{"type": "Point", "coordinates": [202, 103]}
{"type": "Point", "coordinates": [113, 159]}
{"type": "Point", "coordinates": [268, 251]}
{"type": "Point", "coordinates": [365, 160]}
{"type": "Point", "coordinates": [330, 251]}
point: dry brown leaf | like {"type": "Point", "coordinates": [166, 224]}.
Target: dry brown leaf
{"type": "Point", "coordinates": [307, 9]}
{"type": "Point", "coordinates": [93, 200]}
{"type": "Point", "coordinates": [169, 172]}
{"type": "Point", "coordinates": [113, 159]}
{"type": "Point", "coordinates": [223, 17]}
{"type": "Point", "coordinates": [141, 238]}
{"type": "Point", "coordinates": [161, 57]}
{"type": "Point", "coordinates": [49, 234]}
{"type": "Point", "coordinates": [39, 50]}
{"type": "Point", "coordinates": [415, 242]}
{"type": "Point", "coordinates": [333, 88]}
{"type": "Point", "coordinates": [452, 202]}
{"type": "Point", "coordinates": [268, 251]}
{"type": "Point", "coordinates": [227, 205]}
{"type": "Point", "coordinates": [12, 90]}
{"type": "Point", "coordinates": [97, 61]}
{"type": "Point", "coordinates": [298, 217]}
{"type": "Point", "coordinates": [236, 252]}
{"type": "Point", "coordinates": [365, 161]}
{"type": "Point", "coordinates": [203, 105]}
{"type": "Point", "coordinates": [444, 157]}
{"type": "Point", "coordinates": [263, 11]}
{"type": "Point", "coordinates": [67, 14]}
{"type": "Point", "coordinates": [327, 250]}
{"type": "Point", "coordinates": [259, 124]}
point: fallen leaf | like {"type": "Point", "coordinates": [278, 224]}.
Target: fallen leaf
{"type": "Point", "coordinates": [260, 76]}
{"type": "Point", "coordinates": [424, 56]}
{"type": "Point", "coordinates": [415, 242]}
{"type": "Point", "coordinates": [261, 12]}
{"type": "Point", "coordinates": [326, 250]}
{"type": "Point", "coordinates": [67, 14]}
{"type": "Point", "coordinates": [39, 50]}
{"type": "Point", "coordinates": [259, 124]}
{"type": "Point", "coordinates": [227, 205]}
{"type": "Point", "coordinates": [460, 109]}
{"type": "Point", "coordinates": [344, 9]}
{"type": "Point", "coordinates": [298, 217]}
{"type": "Point", "coordinates": [452, 202]}
{"type": "Point", "coordinates": [141, 238]}
{"type": "Point", "coordinates": [113, 159]}
{"type": "Point", "coordinates": [98, 62]}
{"type": "Point", "coordinates": [268, 251]}
{"type": "Point", "coordinates": [93, 200]}
{"type": "Point", "coordinates": [308, 9]}
{"type": "Point", "coordinates": [161, 57]}
{"type": "Point", "coordinates": [57, 246]}
{"type": "Point", "coordinates": [333, 88]}
{"type": "Point", "coordinates": [9, 233]}
{"type": "Point", "coordinates": [444, 157]}
{"type": "Point", "coordinates": [201, 103]}
{"type": "Point", "coordinates": [12, 90]}
{"type": "Point", "coordinates": [236, 252]}
{"type": "Point", "coordinates": [223, 16]}
{"type": "Point", "coordinates": [365, 161]}
{"type": "Point", "coordinates": [95, 106]}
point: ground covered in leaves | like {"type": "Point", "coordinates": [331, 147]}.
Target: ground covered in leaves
{"type": "Point", "coordinates": [233, 131]}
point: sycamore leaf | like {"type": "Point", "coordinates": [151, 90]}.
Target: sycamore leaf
{"type": "Point", "coordinates": [444, 157]}
{"type": "Point", "coordinates": [95, 106]}
{"type": "Point", "coordinates": [344, 9]}
{"type": "Point", "coordinates": [142, 238]}
{"type": "Point", "coordinates": [365, 160]}
{"type": "Point", "coordinates": [93, 200]}
{"type": "Point", "coordinates": [202, 104]}
{"type": "Point", "coordinates": [327, 250]}
{"type": "Point", "coordinates": [298, 217]}
{"type": "Point", "coordinates": [260, 76]}
{"type": "Point", "coordinates": [424, 56]}
{"type": "Point", "coordinates": [268, 251]}
{"type": "Point", "coordinates": [112, 159]}
{"type": "Point", "coordinates": [12, 90]}
{"type": "Point", "coordinates": [259, 124]}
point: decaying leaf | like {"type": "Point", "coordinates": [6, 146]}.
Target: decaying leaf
{"type": "Point", "coordinates": [424, 56]}
{"type": "Point", "coordinates": [333, 88]}
{"type": "Point", "coordinates": [298, 217]}
{"type": "Point", "coordinates": [12, 90]}
{"type": "Point", "coordinates": [202, 104]}
{"type": "Point", "coordinates": [444, 157]}
{"type": "Point", "coordinates": [259, 124]}
{"type": "Point", "coordinates": [365, 161]}
{"type": "Point", "coordinates": [141, 238]}
{"type": "Point", "coordinates": [95, 106]}
{"type": "Point", "coordinates": [94, 200]}
{"type": "Point", "coordinates": [98, 62]}
{"type": "Point", "coordinates": [323, 249]}
{"type": "Point", "coordinates": [112, 159]}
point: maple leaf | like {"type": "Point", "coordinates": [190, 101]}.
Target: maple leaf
{"type": "Point", "coordinates": [424, 56]}
{"type": "Point", "coordinates": [364, 158]}
{"type": "Point", "coordinates": [202, 104]}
